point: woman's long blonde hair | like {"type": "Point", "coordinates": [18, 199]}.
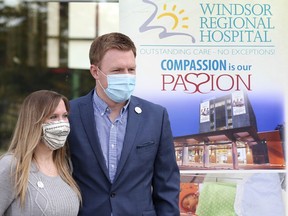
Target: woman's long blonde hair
{"type": "Point", "coordinates": [36, 108]}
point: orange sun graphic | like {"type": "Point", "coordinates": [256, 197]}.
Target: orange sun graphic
{"type": "Point", "coordinates": [175, 16]}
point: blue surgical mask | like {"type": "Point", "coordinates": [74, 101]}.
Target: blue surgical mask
{"type": "Point", "coordinates": [120, 86]}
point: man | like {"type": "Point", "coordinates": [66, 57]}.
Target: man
{"type": "Point", "coordinates": [121, 146]}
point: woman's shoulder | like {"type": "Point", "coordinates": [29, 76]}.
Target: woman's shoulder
{"type": "Point", "coordinates": [7, 157]}
{"type": "Point", "coordinates": [6, 161]}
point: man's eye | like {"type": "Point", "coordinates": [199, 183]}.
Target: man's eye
{"type": "Point", "coordinates": [132, 71]}
{"type": "Point", "coordinates": [116, 71]}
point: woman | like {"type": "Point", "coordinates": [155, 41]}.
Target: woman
{"type": "Point", "coordinates": [35, 176]}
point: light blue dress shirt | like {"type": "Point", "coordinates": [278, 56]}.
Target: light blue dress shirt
{"type": "Point", "coordinates": [111, 134]}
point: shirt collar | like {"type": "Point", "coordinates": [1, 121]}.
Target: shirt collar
{"type": "Point", "coordinates": [102, 107]}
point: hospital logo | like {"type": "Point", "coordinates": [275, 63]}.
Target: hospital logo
{"type": "Point", "coordinates": [171, 19]}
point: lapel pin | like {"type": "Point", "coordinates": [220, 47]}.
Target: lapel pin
{"type": "Point", "coordinates": [138, 110]}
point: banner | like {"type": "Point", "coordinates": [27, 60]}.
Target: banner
{"type": "Point", "coordinates": [191, 51]}
{"type": "Point", "coordinates": [220, 68]}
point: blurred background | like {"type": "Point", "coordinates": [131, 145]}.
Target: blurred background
{"type": "Point", "coordinates": [45, 45]}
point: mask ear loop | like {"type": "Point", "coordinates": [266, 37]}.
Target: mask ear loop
{"type": "Point", "coordinates": [99, 80]}
{"type": "Point", "coordinates": [101, 71]}
{"type": "Point", "coordinates": [100, 85]}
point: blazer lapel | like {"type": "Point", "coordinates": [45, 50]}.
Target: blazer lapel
{"type": "Point", "coordinates": [131, 131]}
{"type": "Point", "coordinates": [88, 122]}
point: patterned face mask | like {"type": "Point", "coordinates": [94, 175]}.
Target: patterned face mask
{"type": "Point", "coordinates": [55, 134]}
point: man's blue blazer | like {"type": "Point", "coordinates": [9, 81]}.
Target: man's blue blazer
{"type": "Point", "coordinates": [147, 180]}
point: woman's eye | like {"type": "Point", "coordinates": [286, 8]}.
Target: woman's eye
{"type": "Point", "coordinates": [53, 117]}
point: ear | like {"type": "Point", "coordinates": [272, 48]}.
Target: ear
{"type": "Point", "coordinates": [94, 71]}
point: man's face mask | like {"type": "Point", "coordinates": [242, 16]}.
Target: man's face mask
{"type": "Point", "coordinates": [120, 86]}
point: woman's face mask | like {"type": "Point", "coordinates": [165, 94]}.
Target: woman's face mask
{"type": "Point", "coordinates": [55, 134]}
